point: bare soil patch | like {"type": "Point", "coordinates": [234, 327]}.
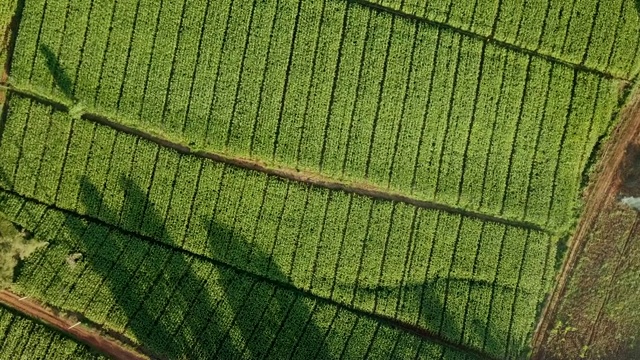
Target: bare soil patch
{"type": "Point", "coordinates": [582, 317]}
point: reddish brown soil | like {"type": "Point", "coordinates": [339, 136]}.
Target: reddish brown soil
{"type": "Point", "coordinates": [81, 333]}
{"type": "Point", "coordinates": [601, 198]}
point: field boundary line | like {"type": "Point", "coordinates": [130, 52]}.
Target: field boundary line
{"type": "Point", "coordinates": [310, 178]}
{"type": "Point", "coordinates": [88, 334]}
{"type": "Point", "coordinates": [599, 194]}
{"type": "Point", "coordinates": [379, 318]}
{"type": "Point", "coordinates": [490, 39]}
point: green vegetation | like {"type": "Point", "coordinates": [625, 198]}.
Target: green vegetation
{"type": "Point", "coordinates": [7, 10]}
{"type": "Point", "coordinates": [591, 33]}
{"type": "Point", "coordinates": [378, 256]}
{"type": "Point", "coordinates": [23, 338]}
{"type": "Point", "coordinates": [478, 121]}
{"type": "Point", "coordinates": [146, 290]}
{"type": "Point", "coordinates": [400, 105]}
{"type": "Point", "coordinates": [13, 248]}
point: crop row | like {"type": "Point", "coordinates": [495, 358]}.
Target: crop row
{"type": "Point", "coordinates": [380, 256]}
{"type": "Point", "coordinates": [186, 307]}
{"type": "Point", "coordinates": [336, 88]}
{"type": "Point", "coordinates": [23, 338]}
{"type": "Point", "coordinates": [601, 35]}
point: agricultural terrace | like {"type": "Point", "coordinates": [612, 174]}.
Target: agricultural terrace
{"type": "Point", "coordinates": [308, 179]}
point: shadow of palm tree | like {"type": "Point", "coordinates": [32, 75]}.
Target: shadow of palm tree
{"type": "Point", "coordinates": [4, 114]}
{"type": "Point", "coordinates": [145, 288]}
{"type": "Point", "coordinates": [261, 327]}
{"type": "Point", "coordinates": [60, 77]}
{"type": "Point", "coordinates": [145, 291]}
{"type": "Point", "coordinates": [146, 279]}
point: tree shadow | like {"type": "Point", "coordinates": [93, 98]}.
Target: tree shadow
{"type": "Point", "coordinates": [146, 278]}
{"type": "Point", "coordinates": [60, 77]}
{"type": "Point", "coordinates": [146, 289]}
{"type": "Point", "coordinates": [282, 306]}
{"type": "Point", "coordinates": [142, 286]}
{"type": "Point", "coordinates": [438, 320]}
{"type": "Point", "coordinates": [4, 114]}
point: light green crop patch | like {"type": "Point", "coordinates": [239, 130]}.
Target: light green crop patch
{"type": "Point", "coordinates": [14, 247]}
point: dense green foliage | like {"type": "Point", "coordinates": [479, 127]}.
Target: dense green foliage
{"type": "Point", "coordinates": [7, 9]}
{"type": "Point", "coordinates": [23, 338]}
{"type": "Point", "coordinates": [493, 107]}
{"type": "Point", "coordinates": [594, 33]}
{"type": "Point", "coordinates": [185, 306]}
{"type": "Point", "coordinates": [331, 87]}
{"type": "Point", "coordinates": [428, 268]}
{"type": "Point", "coordinates": [13, 247]}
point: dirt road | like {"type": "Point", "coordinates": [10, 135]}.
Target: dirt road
{"type": "Point", "coordinates": [77, 331]}
{"type": "Point", "coordinates": [598, 196]}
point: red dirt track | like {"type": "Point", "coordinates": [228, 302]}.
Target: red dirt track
{"type": "Point", "coordinates": [81, 333]}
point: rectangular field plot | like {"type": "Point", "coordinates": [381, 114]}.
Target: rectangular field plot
{"type": "Point", "coordinates": [462, 278]}
{"type": "Point", "coordinates": [24, 338]}
{"type": "Point", "coordinates": [600, 35]}
{"type": "Point", "coordinates": [184, 306]}
{"type": "Point", "coordinates": [333, 88]}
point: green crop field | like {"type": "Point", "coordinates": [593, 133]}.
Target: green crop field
{"type": "Point", "coordinates": [220, 164]}
{"type": "Point", "coordinates": [23, 338]}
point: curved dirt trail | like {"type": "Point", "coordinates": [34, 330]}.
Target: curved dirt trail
{"type": "Point", "coordinates": [81, 333]}
{"type": "Point", "coordinates": [598, 196]}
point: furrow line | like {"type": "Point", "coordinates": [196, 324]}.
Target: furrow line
{"type": "Point", "coordinates": [614, 277]}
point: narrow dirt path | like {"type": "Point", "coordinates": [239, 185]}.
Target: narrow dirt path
{"type": "Point", "coordinates": [77, 331]}
{"type": "Point", "coordinates": [598, 196]}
